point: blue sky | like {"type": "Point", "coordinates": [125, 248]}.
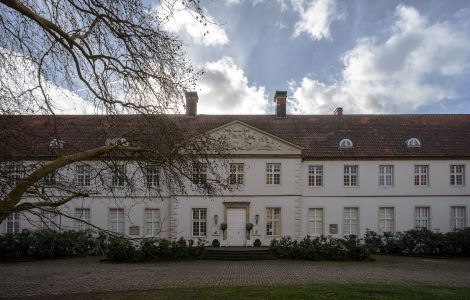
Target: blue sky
{"type": "Point", "coordinates": [369, 56]}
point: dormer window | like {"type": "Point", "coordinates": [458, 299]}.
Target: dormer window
{"type": "Point", "coordinates": [117, 142]}
{"type": "Point", "coordinates": [345, 143]}
{"type": "Point", "coordinates": [413, 143]}
{"type": "Point", "coordinates": [57, 144]}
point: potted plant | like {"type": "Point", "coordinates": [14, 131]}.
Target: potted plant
{"type": "Point", "coordinates": [223, 226]}
{"type": "Point", "coordinates": [249, 226]}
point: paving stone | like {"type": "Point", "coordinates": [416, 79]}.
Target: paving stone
{"type": "Point", "coordinates": [84, 275]}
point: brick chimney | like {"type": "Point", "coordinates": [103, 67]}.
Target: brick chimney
{"type": "Point", "coordinates": [191, 103]}
{"type": "Point", "coordinates": [338, 111]}
{"type": "Point", "coordinates": [280, 99]}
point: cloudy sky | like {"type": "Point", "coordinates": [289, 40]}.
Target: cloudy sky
{"type": "Point", "coordinates": [368, 56]}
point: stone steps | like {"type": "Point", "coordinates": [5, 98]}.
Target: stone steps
{"type": "Point", "coordinates": [234, 253]}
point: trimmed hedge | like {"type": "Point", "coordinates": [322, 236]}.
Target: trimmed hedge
{"type": "Point", "coordinates": [47, 244]}
{"type": "Point", "coordinates": [420, 242]}
{"type": "Point", "coordinates": [320, 248]}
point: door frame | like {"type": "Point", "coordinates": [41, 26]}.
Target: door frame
{"type": "Point", "coordinates": [243, 205]}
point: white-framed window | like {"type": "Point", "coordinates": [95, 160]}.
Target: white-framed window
{"type": "Point", "coordinates": [199, 222]}
{"type": "Point", "coordinates": [84, 215]}
{"type": "Point", "coordinates": [237, 174]}
{"type": "Point", "coordinates": [152, 176]}
{"type": "Point", "coordinates": [83, 175]}
{"type": "Point", "coordinates": [457, 175]}
{"type": "Point", "coordinates": [386, 219]}
{"type": "Point", "coordinates": [315, 221]}
{"type": "Point", "coordinates": [423, 217]}
{"type": "Point", "coordinates": [345, 143]}
{"type": "Point", "coordinates": [14, 173]}
{"type": "Point", "coordinates": [273, 174]}
{"type": "Point", "coordinates": [315, 175]}
{"type": "Point", "coordinates": [13, 223]}
{"type": "Point", "coordinates": [273, 221]}
{"type": "Point", "coordinates": [116, 220]}
{"type": "Point", "coordinates": [199, 173]}
{"type": "Point", "coordinates": [386, 175]}
{"type": "Point", "coordinates": [50, 220]}
{"type": "Point", "coordinates": [421, 175]}
{"type": "Point", "coordinates": [152, 222]}
{"type": "Point", "coordinates": [458, 217]}
{"type": "Point", "coordinates": [119, 175]}
{"type": "Point", "coordinates": [351, 221]}
{"type": "Point", "coordinates": [351, 175]}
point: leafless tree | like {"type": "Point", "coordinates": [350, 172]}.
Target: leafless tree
{"type": "Point", "coordinates": [118, 57]}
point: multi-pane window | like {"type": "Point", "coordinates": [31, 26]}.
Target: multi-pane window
{"type": "Point", "coordinates": [119, 175]}
{"type": "Point", "coordinates": [13, 223]}
{"type": "Point", "coordinates": [457, 175]}
{"type": "Point", "coordinates": [315, 221]}
{"type": "Point", "coordinates": [315, 175]}
{"type": "Point", "coordinates": [83, 175]}
{"type": "Point", "coordinates": [386, 175]}
{"type": "Point", "coordinates": [49, 220]}
{"type": "Point", "coordinates": [199, 173]}
{"type": "Point", "coordinates": [351, 221]}
{"type": "Point", "coordinates": [273, 173]}
{"type": "Point", "coordinates": [351, 175]}
{"type": "Point", "coordinates": [82, 214]}
{"type": "Point", "coordinates": [457, 217]}
{"type": "Point", "coordinates": [386, 219]}
{"type": "Point", "coordinates": [15, 172]}
{"type": "Point", "coordinates": [199, 222]}
{"type": "Point", "coordinates": [423, 217]}
{"type": "Point", "coordinates": [421, 175]}
{"type": "Point", "coordinates": [116, 220]}
{"type": "Point", "coordinates": [273, 221]}
{"type": "Point", "coordinates": [152, 222]}
{"type": "Point", "coordinates": [236, 173]}
{"type": "Point", "coordinates": [152, 176]}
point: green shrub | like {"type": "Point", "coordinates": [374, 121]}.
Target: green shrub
{"type": "Point", "coordinates": [320, 248]}
{"type": "Point", "coordinates": [47, 244]}
{"type": "Point", "coordinates": [121, 249]}
{"type": "Point", "coordinates": [421, 242]}
{"type": "Point", "coordinates": [215, 243]}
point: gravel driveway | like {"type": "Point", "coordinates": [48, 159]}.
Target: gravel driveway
{"type": "Point", "coordinates": [84, 275]}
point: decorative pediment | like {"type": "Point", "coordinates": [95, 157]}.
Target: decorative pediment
{"type": "Point", "coordinates": [246, 139]}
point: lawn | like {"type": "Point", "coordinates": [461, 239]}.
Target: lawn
{"type": "Point", "coordinates": [313, 291]}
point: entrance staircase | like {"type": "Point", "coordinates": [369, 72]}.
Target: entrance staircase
{"type": "Point", "coordinates": [237, 253]}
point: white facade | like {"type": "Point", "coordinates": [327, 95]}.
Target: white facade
{"type": "Point", "coordinates": [286, 201]}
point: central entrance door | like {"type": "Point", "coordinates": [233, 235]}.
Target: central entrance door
{"type": "Point", "coordinates": [236, 226]}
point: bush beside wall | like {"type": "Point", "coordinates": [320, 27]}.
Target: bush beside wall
{"type": "Point", "coordinates": [47, 244]}
{"type": "Point", "coordinates": [320, 248]}
{"type": "Point", "coordinates": [420, 242]}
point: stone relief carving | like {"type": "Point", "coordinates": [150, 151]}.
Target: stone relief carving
{"type": "Point", "coordinates": [243, 138]}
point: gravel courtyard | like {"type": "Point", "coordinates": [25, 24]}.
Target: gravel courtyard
{"type": "Point", "coordinates": [86, 275]}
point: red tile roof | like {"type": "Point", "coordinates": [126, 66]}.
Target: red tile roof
{"type": "Point", "coordinates": [374, 136]}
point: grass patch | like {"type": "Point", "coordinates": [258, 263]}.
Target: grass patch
{"type": "Point", "coordinates": [312, 291]}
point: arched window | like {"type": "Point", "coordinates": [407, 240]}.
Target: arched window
{"type": "Point", "coordinates": [345, 143]}
{"type": "Point", "coordinates": [413, 142]}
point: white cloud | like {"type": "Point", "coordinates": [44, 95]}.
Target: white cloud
{"type": "Point", "coordinates": [316, 17]}
{"type": "Point", "coordinates": [224, 89]}
{"type": "Point", "coordinates": [183, 22]}
{"type": "Point", "coordinates": [18, 75]}
{"type": "Point", "coordinates": [392, 76]}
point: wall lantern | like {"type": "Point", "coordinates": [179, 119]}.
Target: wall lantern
{"type": "Point", "coordinates": [256, 219]}
{"type": "Point", "coordinates": [216, 218]}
